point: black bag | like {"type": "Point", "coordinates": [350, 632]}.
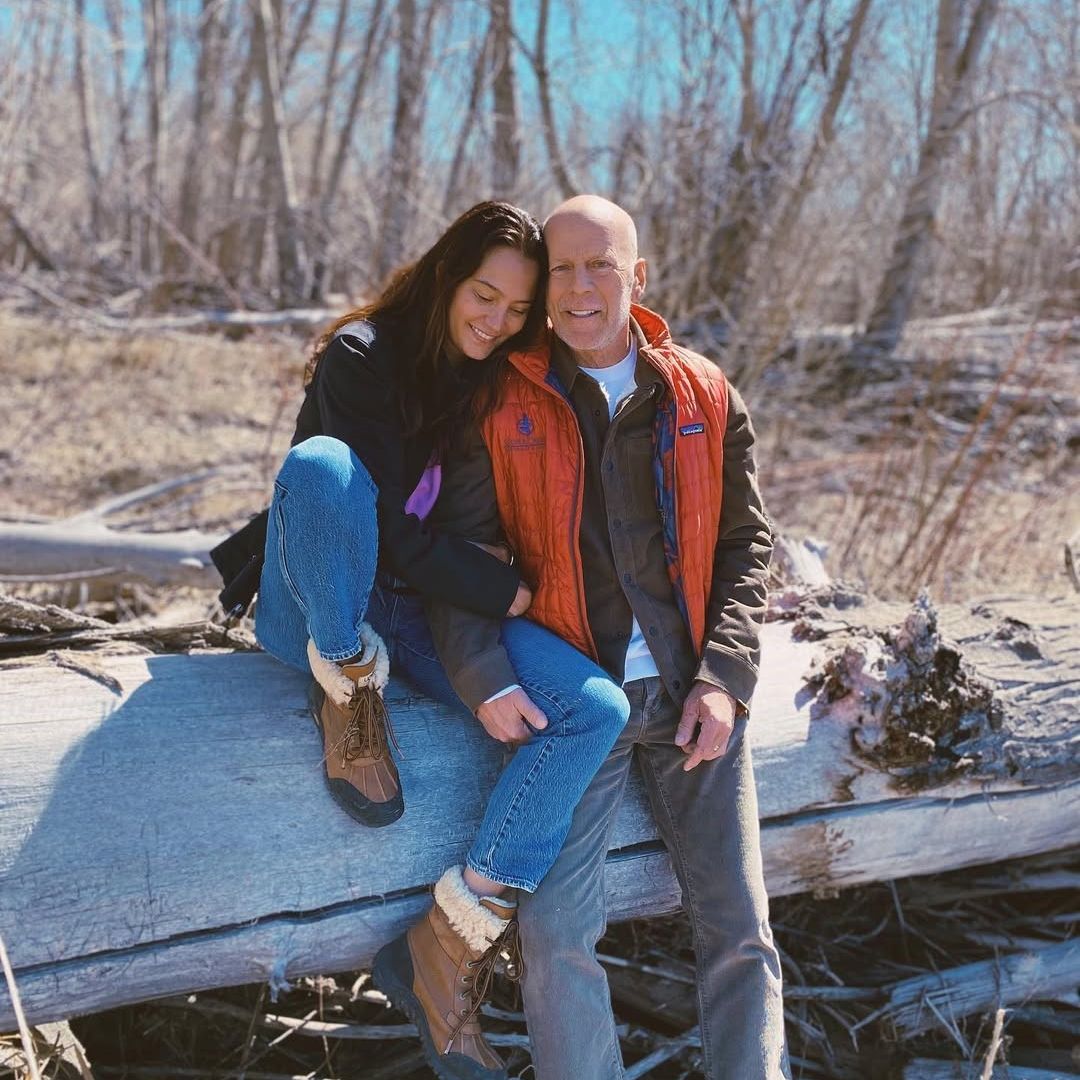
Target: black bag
{"type": "Point", "coordinates": [239, 560]}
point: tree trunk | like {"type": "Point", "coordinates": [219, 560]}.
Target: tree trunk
{"type": "Point", "coordinates": [365, 66]}
{"type": "Point", "coordinates": [84, 93]}
{"type": "Point", "coordinates": [231, 255]}
{"type": "Point", "coordinates": [212, 33]}
{"type": "Point", "coordinates": [566, 185]}
{"type": "Point", "coordinates": [76, 726]}
{"type": "Point", "coordinates": [481, 68]}
{"type": "Point", "coordinates": [278, 162]}
{"type": "Point", "coordinates": [155, 29]}
{"type": "Point", "coordinates": [414, 42]}
{"type": "Point", "coordinates": [303, 26]}
{"type": "Point", "coordinates": [954, 72]}
{"type": "Point", "coordinates": [114, 18]}
{"type": "Point", "coordinates": [506, 151]}
{"type": "Point", "coordinates": [826, 129]}
{"type": "Point", "coordinates": [327, 101]}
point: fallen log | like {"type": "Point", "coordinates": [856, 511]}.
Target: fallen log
{"type": "Point", "coordinates": [164, 827]}
{"type": "Point", "coordinates": [84, 547]}
{"type": "Point", "coordinates": [928, 1069]}
{"type": "Point", "coordinates": [927, 1001]}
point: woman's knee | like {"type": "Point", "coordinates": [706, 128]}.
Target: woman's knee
{"type": "Point", "coordinates": [323, 465]}
{"type": "Point", "coordinates": [603, 705]}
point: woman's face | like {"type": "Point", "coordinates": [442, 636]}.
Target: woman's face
{"type": "Point", "coordinates": [493, 304]}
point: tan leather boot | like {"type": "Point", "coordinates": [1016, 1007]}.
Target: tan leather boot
{"type": "Point", "coordinates": [439, 971]}
{"type": "Point", "coordinates": [347, 707]}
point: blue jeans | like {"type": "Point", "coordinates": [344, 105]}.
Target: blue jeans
{"type": "Point", "coordinates": [319, 581]}
{"type": "Point", "coordinates": [709, 823]}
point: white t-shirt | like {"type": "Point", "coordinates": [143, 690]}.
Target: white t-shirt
{"type": "Point", "coordinates": [616, 383]}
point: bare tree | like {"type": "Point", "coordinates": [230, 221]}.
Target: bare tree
{"type": "Point", "coordinates": [481, 70]}
{"type": "Point", "coordinates": [156, 64]}
{"type": "Point", "coordinates": [327, 100]}
{"type": "Point", "coordinates": [290, 255]}
{"type": "Point", "coordinates": [83, 94]}
{"type": "Point", "coordinates": [211, 41]}
{"type": "Point", "coordinates": [506, 148]}
{"type": "Point", "coordinates": [414, 48]}
{"type": "Point", "coordinates": [956, 58]}
{"type": "Point", "coordinates": [565, 184]}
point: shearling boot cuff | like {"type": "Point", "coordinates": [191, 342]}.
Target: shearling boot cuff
{"type": "Point", "coordinates": [470, 919]}
{"type": "Point", "coordinates": [338, 686]}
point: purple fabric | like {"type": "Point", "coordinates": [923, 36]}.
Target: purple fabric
{"type": "Point", "coordinates": [421, 501]}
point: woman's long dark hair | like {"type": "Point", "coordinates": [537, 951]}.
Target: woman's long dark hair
{"type": "Point", "coordinates": [433, 394]}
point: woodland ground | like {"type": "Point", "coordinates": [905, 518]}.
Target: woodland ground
{"type": "Point", "coordinates": [87, 414]}
{"type": "Point", "coordinates": [981, 494]}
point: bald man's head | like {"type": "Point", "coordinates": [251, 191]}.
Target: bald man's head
{"type": "Point", "coordinates": [594, 276]}
{"type": "Point", "coordinates": [601, 211]}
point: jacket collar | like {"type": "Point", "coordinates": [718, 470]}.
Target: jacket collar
{"type": "Point", "coordinates": [553, 355]}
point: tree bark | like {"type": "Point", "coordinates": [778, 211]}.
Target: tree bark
{"type": "Point", "coordinates": [414, 43]}
{"type": "Point", "coordinates": [211, 37]}
{"type": "Point", "coordinates": [327, 101]}
{"type": "Point", "coordinates": [278, 163]}
{"type": "Point", "coordinates": [954, 72]}
{"type": "Point", "coordinates": [155, 30]}
{"type": "Point", "coordinates": [231, 255]}
{"type": "Point", "coordinates": [84, 93]}
{"type": "Point", "coordinates": [114, 18]}
{"type": "Point", "coordinates": [506, 151]}
{"type": "Point", "coordinates": [566, 185]}
{"type": "Point", "coordinates": [480, 70]}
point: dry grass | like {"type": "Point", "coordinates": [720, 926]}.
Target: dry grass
{"type": "Point", "coordinates": [975, 491]}
{"type": "Point", "coordinates": [89, 414]}
{"type": "Point", "coordinates": [960, 472]}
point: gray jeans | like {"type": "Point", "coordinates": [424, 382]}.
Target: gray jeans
{"type": "Point", "coordinates": [708, 820]}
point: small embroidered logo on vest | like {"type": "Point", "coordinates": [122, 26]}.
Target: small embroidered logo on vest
{"type": "Point", "coordinates": [525, 425]}
{"type": "Point", "coordinates": [692, 429]}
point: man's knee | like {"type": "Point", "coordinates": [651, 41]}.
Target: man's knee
{"type": "Point", "coordinates": [550, 929]}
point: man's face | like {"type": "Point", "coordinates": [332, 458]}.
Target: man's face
{"type": "Point", "coordinates": [594, 276]}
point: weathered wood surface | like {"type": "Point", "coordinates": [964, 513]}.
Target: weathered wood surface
{"type": "Point", "coordinates": [164, 826]}
{"type": "Point", "coordinates": [926, 1069]}
{"type": "Point", "coordinates": [1049, 972]}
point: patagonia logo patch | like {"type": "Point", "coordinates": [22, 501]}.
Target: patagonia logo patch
{"type": "Point", "coordinates": [692, 429]}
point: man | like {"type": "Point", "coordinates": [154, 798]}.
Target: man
{"type": "Point", "coordinates": [623, 472]}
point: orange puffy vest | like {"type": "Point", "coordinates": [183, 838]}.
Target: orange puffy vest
{"type": "Point", "coordinates": [538, 463]}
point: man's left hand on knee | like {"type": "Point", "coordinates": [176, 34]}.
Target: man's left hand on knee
{"type": "Point", "coordinates": [708, 718]}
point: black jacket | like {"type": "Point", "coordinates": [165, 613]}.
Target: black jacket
{"type": "Point", "coordinates": [354, 397]}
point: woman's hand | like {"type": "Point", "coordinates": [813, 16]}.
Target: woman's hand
{"type": "Point", "coordinates": [500, 551]}
{"type": "Point", "coordinates": [523, 598]}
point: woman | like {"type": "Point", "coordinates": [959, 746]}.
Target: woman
{"type": "Point", "coordinates": [349, 558]}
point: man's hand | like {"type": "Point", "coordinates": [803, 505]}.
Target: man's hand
{"type": "Point", "coordinates": [708, 718]}
{"type": "Point", "coordinates": [511, 718]}
{"type": "Point", "coordinates": [522, 600]}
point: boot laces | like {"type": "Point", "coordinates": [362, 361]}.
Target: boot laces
{"type": "Point", "coordinates": [368, 727]}
{"type": "Point", "coordinates": [504, 950]}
